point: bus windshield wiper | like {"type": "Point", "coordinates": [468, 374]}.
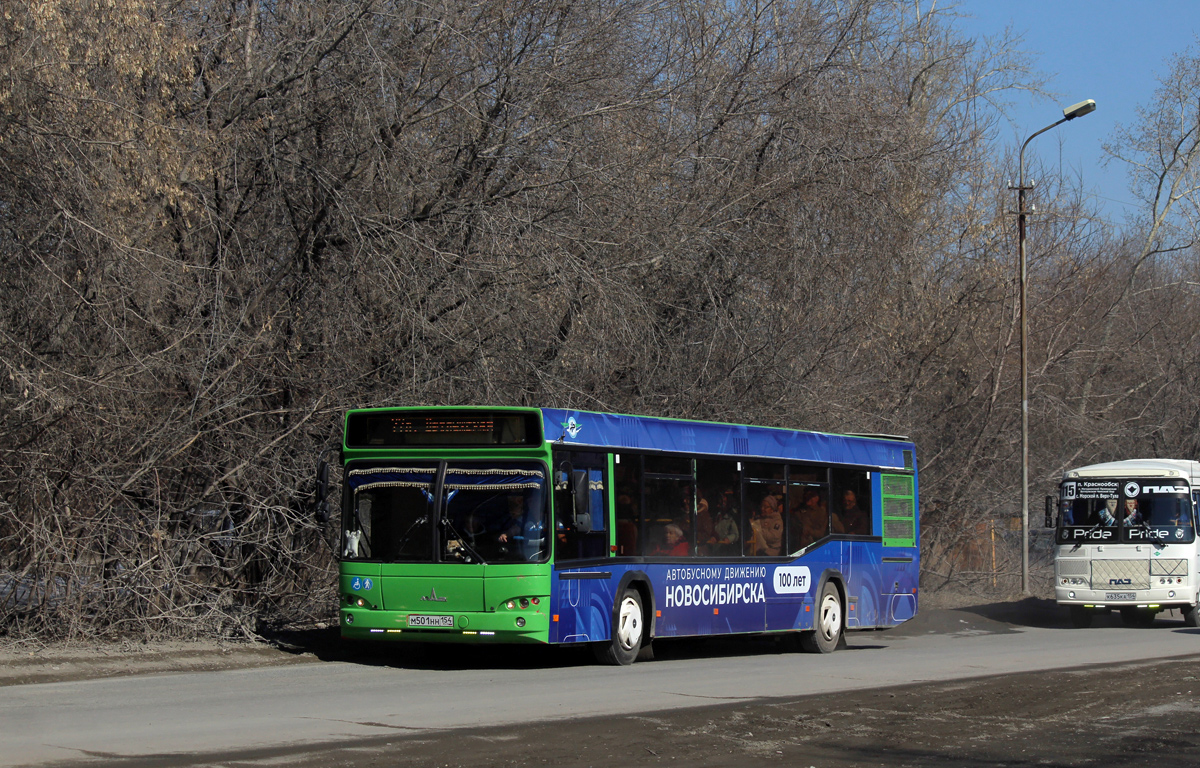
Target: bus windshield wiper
{"type": "Point", "coordinates": [404, 538]}
{"type": "Point", "coordinates": [1148, 529]}
{"type": "Point", "coordinates": [1086, 534]}
{"type": "Point", "coordinates": [464, 549]}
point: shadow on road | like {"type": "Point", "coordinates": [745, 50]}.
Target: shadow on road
{"type": "Point", "coordinates": [327, 645]}
{"type": "Point", "coordinates": [1014, 615]}
{"type": "Point", "coordinates": [1001, 617]}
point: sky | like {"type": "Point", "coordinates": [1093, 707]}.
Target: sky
{"type": "Point", "coordinates": [1112, 51]}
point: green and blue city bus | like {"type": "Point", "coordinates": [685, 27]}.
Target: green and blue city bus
{"type": "Point", "coordinates": [541, 525]}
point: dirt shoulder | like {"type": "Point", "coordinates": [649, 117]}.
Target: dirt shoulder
{"type": "Point", "coordinates": [69, 662]}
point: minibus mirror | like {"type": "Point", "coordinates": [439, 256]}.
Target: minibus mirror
{"type": "Point", "coordinates": [1050, 505]}
{"type": "Point", "coordinates": [583, 501]}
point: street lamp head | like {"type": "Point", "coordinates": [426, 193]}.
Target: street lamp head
{"type": "Point", "coordinates": [1086, 107]}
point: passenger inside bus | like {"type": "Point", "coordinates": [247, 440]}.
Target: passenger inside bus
{"type": "Point", "coordinates": [672, 542]}
{"type": "Point", "coordinates": [852, 519]}
{"type": "Point", "coordinates": [717, 523]}
{"type": "Point", "coordinates": [705, 536]}
{"type": "Point", "coordinates": [669, 501]}
{"type": "Point", "coordinates": [726, 524]}
{"type": "Point", "coordinates": [809, 518]}
{"type": "Point", "coordinates": [767, 528]}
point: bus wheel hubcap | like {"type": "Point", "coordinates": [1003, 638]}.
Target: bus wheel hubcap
{"type": "Point", "coordinates": [831, 617]}
{"type": "Point", "coordinates": [629, 631]}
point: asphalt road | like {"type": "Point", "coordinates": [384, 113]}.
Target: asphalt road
{"type": "Point", "coordinates": [179, 718]}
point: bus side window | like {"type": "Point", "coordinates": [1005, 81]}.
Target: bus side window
{"type": "Point", "coordinates": [851, 502]}
{"type": "Point", "coordinates": [627, 485]}
{"type": "Point", "coordinates": [591, 541]}
{"type": "Point", "coordinates": [808, 515]}
{"type": "Point", "coordinates": [718, 519]}
{"type": "Point", "coordinates": [765, 529]}
{"type": "Point", "coordinates": [670, 503]}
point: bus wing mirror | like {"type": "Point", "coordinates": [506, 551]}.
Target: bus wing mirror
{"type": "Point", "coordinates": [322, 506]}
{"type": "Point", "coordinates": [583, 501]}
{"type": "Point", "coordinates": [322, 479]}
{"type": "Point", "coordinates": [1050, 505]}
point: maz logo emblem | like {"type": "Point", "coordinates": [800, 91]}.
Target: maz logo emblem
{"type": "Point", "coordinates": [432, 596]}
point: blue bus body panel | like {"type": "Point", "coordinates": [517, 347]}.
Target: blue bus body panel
{"type": "Point", "coordinates": [697, 598]}
{"type": "Point", "coordinates": [605, 430]}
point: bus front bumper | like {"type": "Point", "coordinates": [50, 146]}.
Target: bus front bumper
{"type": "Point", "coordinates": [505, 626]}
{"type": "Point", "coordinates": [1170, 597]}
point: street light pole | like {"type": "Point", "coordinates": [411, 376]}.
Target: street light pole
{"type": "Point", "coordinates": [1070, 113]}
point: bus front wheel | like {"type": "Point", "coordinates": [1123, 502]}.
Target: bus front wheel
{"type": "Point", "coordinates": [1081, 618]}
{"type": "Point", "coordinates": [824, 637]}
{"type": "Point", "coordinates": [627, 631]}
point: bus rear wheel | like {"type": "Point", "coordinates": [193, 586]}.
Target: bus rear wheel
{"type": "Point", "coordinates": [828, 630]}
{"type": "Point", "coordinates": [1191, 616]}
{"type": "Point", "coordinates": [1081, 618]}
{"type": "Point", "coordinates": [628, 629]}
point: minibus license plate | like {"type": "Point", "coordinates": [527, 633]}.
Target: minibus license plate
{"type": "Point", "coordinates": [1110, 596]}
{"type": "Point", "coordinates": [417, 620]}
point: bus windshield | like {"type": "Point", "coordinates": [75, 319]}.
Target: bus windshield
{"type": "Point", "coordinates": [1136, 510]}
{"type": "Point", "coordinates": [487, 513]}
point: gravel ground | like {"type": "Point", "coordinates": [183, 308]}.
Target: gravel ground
{"type": "Point", "coordinates": [1059, 719]}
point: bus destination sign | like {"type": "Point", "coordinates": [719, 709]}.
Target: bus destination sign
{"type": "Point", "coordinates": [412, 429]}
{"type": "Point", "coordinates": [1092, 489]}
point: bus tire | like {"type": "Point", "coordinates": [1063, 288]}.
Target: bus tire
{"type": "Point", "coordinates": [1191, 617]}
{"type": "Point", "coordinates": [627, 632]}
{"type": "Point", "coordinates": [1129, 616]}
{"type": "Point", "coordinates": [827, 631]}
{"type": "Point", "coordinates": [1081, 618]}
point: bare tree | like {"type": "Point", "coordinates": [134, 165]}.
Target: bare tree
{"type": "Point", "coordinates": [224, 223]}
